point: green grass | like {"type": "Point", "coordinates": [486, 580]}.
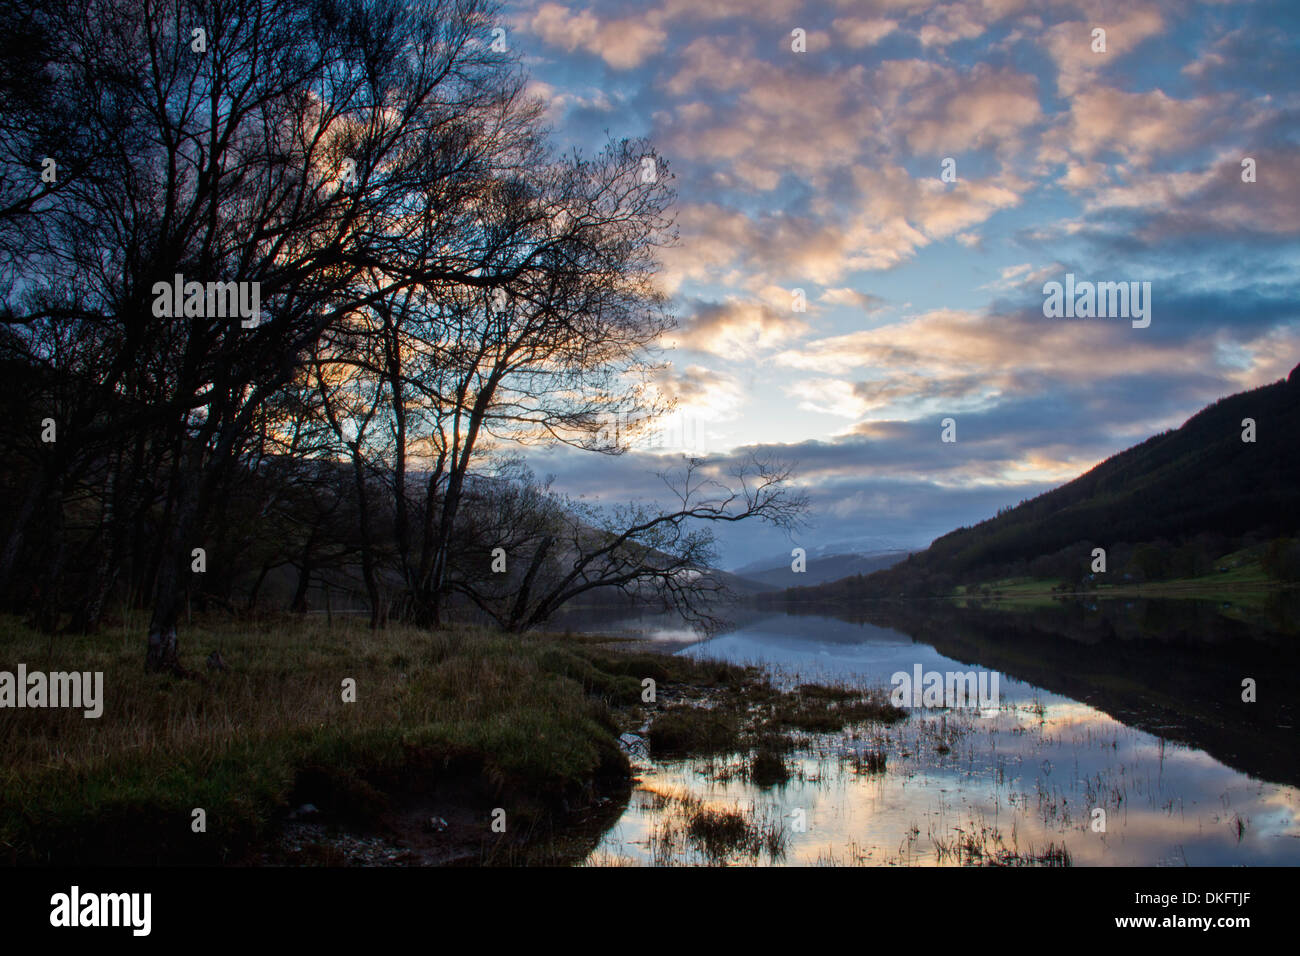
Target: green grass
{"type": "Point", "coordinates": [527, 723]}
{"type": "Point", "coordinates": [1009, 586]}
{"type": "Point", "coordinates": [685, 729]}
{"type": "Point", "coordinates": [1244, 583]}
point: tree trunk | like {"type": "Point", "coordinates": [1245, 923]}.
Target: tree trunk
{"type": "Point", "coordinates": [367, 546]}
{"type": "Point", "coordinates": [163, 653]}
{"type": "Point", "coordinates": [87, 620]}
{"type": "Point", "coordinates": [526, 586]}
{"type": "Point", "coordinates": [107, 541]}
{"type": "Point", "coordinates": [257, 586]}
{"type": "Point", "coordinates": [299, 603]}
{"type": "Point", "coordinates": [50, 609]}
{"type": "Point", "coordinates": [14, 541]}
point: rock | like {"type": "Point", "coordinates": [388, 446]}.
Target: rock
{"type": "Point", "coordinates": [435, 825]}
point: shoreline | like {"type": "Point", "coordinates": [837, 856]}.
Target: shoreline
{"type": "Point", "coordinates": [447, 734]}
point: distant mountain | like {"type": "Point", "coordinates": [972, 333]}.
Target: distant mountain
{"type": "Point", "coordinates": [1181, 497]}
{"type": "Point", "coordinates": [830, 567]}
{"type": "Point", "coordinates": [742, 584]}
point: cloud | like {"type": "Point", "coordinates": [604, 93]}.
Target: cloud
{"type": "Point", "coordinates": [860, 32]}
{"type": "Point", "coordinates": [701, 392]}
{"type": "Point", "coordinates": [889, 216]}
{"type": "Point", "coordinates": [852, 297]}
{"type": "Point", "coordinates": [1139, 126]}
{"type": "Point", "coordinates": [1024, 276]}
{"type": "Point", "coordinates": [819, 171]}
{"type": "Point", "coordinates": [956, 111]}
{"type": "Point", "coordinates": [827, 396]}
{"type": "Point", "coordinates": [1128, 23]}
{"type": "Point", "coordinates": [953, 22]}
{"type": "Point", "coordinates": [737, 329]}
{"type": "Point", "coordinates": [1214, 200]}
{"type": "Point", "coordinates": [713, 63]}
{"type": "Point", "coordinates": [622, 43]}
{"type": "Point", "coordinates": [768, 130]}
{"type": "Point", "coordinates": [971, 360]}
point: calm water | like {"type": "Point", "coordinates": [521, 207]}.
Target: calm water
{"type": "Point", "coordinates": [1133, 708]}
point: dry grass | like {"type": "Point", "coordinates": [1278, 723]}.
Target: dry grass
{"type": "Point", "coordinates": [524, 715]}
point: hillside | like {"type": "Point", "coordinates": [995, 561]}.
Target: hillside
{"type": "Point", "coordinates": [829, 567]}
{"type": "Point", "coordinates": [1168, 507]}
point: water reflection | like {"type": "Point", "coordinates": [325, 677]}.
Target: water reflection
{"type": "Point", "coordinates": [1100, 710]}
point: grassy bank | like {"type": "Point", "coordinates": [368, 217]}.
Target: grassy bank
{"type": "Point", "coordinates": [523, 723]}
{"type": "Point", "coordinates": [448, 726]}
{"type": "Point", "coordinates": [1241, 580]}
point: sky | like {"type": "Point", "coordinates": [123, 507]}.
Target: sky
{"type": "Point", "coordinates": [918, 172]}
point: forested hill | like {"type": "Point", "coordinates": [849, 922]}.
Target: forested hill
{"type": "Point", "coordinates": [1195, 492]}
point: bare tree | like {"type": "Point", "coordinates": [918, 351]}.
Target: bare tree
{"type": "Point", "coordinates": [428, 287]}
{"type": "Point", "coordinates": [561, 345]}
{"type": "Point", "coordinates": [561, 550]}
{"type": "Point", "coordinates": [291, 144]}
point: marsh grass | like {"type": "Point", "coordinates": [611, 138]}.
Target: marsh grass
{"type": "Point", "coordinates": [984, 846]}
{"type": "Point", "coordinates": [869, 762]}
{"type": "Point", "coordinates": [684, 729]}
{"type": "Point", "coordinates": [720, 835]}
{"type": "Point", "coordinates": [828, 709]}
{"type": "Point", "coordinates": [767, 768]}
{"type": "Point", "coordinates": [748, 713]}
